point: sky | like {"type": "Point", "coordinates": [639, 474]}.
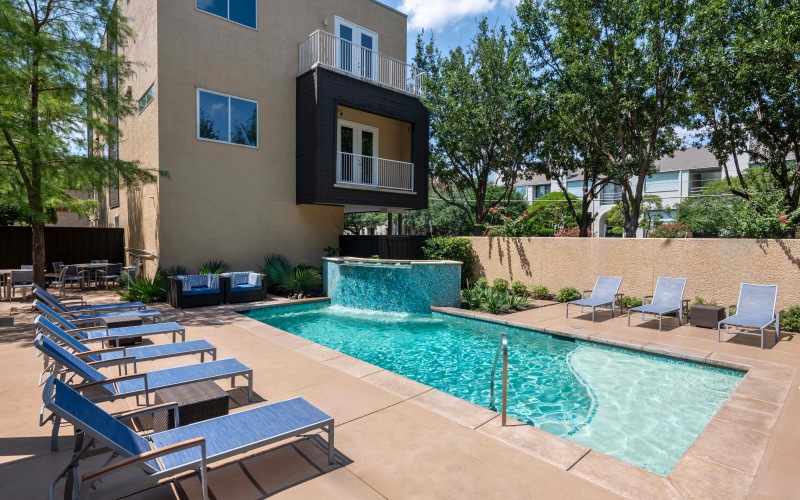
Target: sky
{"type": "Point", "coordinates": [453, 22]}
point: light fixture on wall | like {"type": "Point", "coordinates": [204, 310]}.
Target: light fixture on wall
{"type": "Point", "coordinates": [325, 22]}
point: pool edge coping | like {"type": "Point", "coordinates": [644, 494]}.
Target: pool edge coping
{"type": "Point", "coordinates": [614, 475]}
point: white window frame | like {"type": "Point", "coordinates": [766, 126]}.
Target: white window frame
{"type": "Point", "coordinates": [229, 96]}
{"type": "Point", "coordinates": [677, 181]}
{"type": "Point", "coordinates": [338, 21]}
{"type": "Point", "coordinates": [152, 86]}
{"type": "Point", "coordinates": [229, 15]}
{"type": "Point", "coordinates": [357, 128]}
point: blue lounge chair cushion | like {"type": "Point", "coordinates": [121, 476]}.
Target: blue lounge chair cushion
{"type": "Point", "coordinates": [239, 430]}
{"type": "Point", "coordinates": [246, 288]}
{"type": "Point", "coordinates": [655, 308]}
{"type": "Point", "coordinates": [201, 291]}
{"type": "Point", "coordinates": [145, 312]}
{"type": "Point", "coordinates": [175, 376]}
{"type": "Point", "coordinates": [132, 331]}
{"type": "Point", "coordinates": [748, 321]}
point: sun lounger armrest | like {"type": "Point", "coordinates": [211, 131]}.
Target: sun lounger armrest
{"type": "Point", "coordinates": [79, 300]}
{"type": "Point", "coordinates": [88, 329]}
{"type": "Point", "coordinates": [115, 362]}
{"type": "Point", "coordinates": [644, 299]}
{"type": "Point", "coordinates": [127, 415]}
{"type": "Point", "coordinates": [150, 455]}
{"type": "Point", "coordinates": [110, 381]}
{"type": "Point", "coordinates": [100, 351]}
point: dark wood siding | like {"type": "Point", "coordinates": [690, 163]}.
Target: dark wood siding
{"type": "Point", "coordinates": [387, 247]}
{"type": "Point", "coordinates": [71, 245]}
{"type": "Point", "coordinates": [317, 110]}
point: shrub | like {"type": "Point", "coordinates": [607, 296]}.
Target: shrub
{"type": "Point", "coordinates": [541, 292]}
{"type": "Point", "coordinates": [215, 267]}
{"type": "Point", "coordinates": [629, 301]}
{"type": "Point", "coordinates": [519, 288]}
{"type": "Point", "coordinates": [275, 267]}
{"type": "Point", "coordinates": [700, 301]}
{"type": "Point", "coordinates": [375, 256]}
{"type": "Point", "coordinates": [568, 232]}
{"type": "Point", "coordinates": [285, 277]}
{"type": "Point", "coordinates": [482, 283]}
{"type": "Point", "coordinates": [144, 289]}
{"type": "Point", "coordinates": [450, 248]}
{"type": "Point", "coordinates": [790, 319]}
{"type": "Point", "coordinates": [491, 300]}
{"type": "Point", "coordinates": [670, 230]}
{"type": "Point", "coordinates": [175, 271]}
{"type": "Point", "coordinates": [331, 251]}
{"type": "Point", "coordinates": [567, 294]}
{"type": "Point", "coordinates": [500, 285]}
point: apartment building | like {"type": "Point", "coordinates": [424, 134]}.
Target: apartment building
{"type": "Point", "coordinates": [676, 178]}
{"type": "Point", "coordinates": [272, 120]}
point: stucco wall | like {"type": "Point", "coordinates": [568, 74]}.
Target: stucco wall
{"type": "Point", "coordinates": [714, 268]}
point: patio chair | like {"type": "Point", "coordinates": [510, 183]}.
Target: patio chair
{"type": "Point", "coordinates": [86, 312]}
{"type": "Point", "coordinates": [603, 294]}
{"type": "Point", "coordinates": [110, 335]}
{"type": "Point", "coordinates": [191, 447]}
{"type": "Point", "coordinates": [667, 299]}
{"type": "Point", "coordinates": [68, 275]}
{"type": "Point", "coordinates": [142, 353]}
{"type": "Point", "coordinates": [21, 280]}
{"type": "Point", "coordinates": [112, 272]}
{"type": "Point", "coordinates": [50, 277]}
{"type": "Point", "coordinates": [67, 366]}
{"type": "Point", "coordinates": [755, 310]}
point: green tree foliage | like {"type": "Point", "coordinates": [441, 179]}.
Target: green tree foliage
{"type": "Point", "coordinates": [59, 71]}
{"type": "Point", "coordinates": [356, 223]}
{"type": "Point", "coordinates": [544, 217]}
{"type": "Point", "coordinates": [450, 248]}
{"type": "Point", "coordinates": [480, 118]}
{"type": "Point", "coordinates": [745, 83]}
{"type": "Point", "coordinates": [612, 76]}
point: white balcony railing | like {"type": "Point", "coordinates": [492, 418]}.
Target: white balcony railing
{"type": "Point", "coordinates": [696, 186]}
{"type": "Point", "coordinates": [610, 198]}
{"type": "Point", "coordinates": [324, 49]}
{"type": "Point", "coordinates": [375, 173]}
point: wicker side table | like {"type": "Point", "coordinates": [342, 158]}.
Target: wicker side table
{"type": "Point", "coordinates": [707, 316]}
{"type": "Point", "coordinates": [123, 321]}
{"type": "Point", "coordinates": [197, 401]}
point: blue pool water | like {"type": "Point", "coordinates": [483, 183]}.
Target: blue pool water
{"type": "Point", "coordinates": [640, 408]}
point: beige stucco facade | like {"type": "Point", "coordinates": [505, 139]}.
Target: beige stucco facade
{"type": "Point", "coordinates": [226, 201]}
{"type": "Point", "coordinates": [714, 268]}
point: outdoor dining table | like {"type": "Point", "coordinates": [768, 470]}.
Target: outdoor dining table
{"type": "Point", "coordinates": [89, 268]}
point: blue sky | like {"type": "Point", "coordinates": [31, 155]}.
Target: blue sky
{"type": "Point", "coordinates": [451, 21]}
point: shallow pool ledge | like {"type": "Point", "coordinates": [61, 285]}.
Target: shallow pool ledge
{"type": "Point", "coordinates": [407, 286]}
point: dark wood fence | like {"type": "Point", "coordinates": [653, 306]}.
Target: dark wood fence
{"type": "Point", "coordinates": [71, 245]}
{"type": "Point", "coordinates": [387, 247]}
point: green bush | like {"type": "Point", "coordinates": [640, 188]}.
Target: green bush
{"type": "Point", "coordinates": [215, 267]}
{"type": "Point", "coordinates": [629, 301]}
{"type": "Point", "coordinates": [519, 288]}
{"type": "Point", "coordinates": [790, 319]}
{"type": "Point", "coordinates": [700, 301]}
{"type": "Point", "coordinates": [491, 300]}
{"type": "Point", "coordinates": [541, 292]}
{"type": "Point", "coordinates": [174, 271]}
{"type": "Point", "coordinates": [283, 276]}
{"type": "Point", "coordinates": [568, 294]}
{"type": "Point", "coordinates": [144, 289]}
{"type": "Point", "coordinates": [500, 285]}
{"type": "Point", "coordinates": [450, 248]}
{"type": "Point", "coordinates": [482, 282]}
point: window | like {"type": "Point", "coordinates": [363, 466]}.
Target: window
{"type": "Point", "coordinates": [541, 190]}
{"type": "Point", "coordinates": [575, 188]}
{"type": "Point", "coordinates": [146, 98]}
{"type": "Point", "coordinates": [662, 181]}
{"type": "Point", "coordinates": [225, 118]}
{"type": "Point", "coordinates": [238, 11]}
{"type": "Point", "coordinates": [523, 191]}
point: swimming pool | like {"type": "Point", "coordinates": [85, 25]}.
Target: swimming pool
{"type": "Point", "coordinates": [640, 408]}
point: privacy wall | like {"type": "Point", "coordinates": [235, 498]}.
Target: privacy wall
{"type": "Point", "coordinates": [714, 268]}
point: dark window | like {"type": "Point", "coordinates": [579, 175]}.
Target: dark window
{"type": "Point", "coordinates": [238, 11]}
{"type": "Point", "coordinates": [227, 119]}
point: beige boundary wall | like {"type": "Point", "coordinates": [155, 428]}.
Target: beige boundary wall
{"type": "Point", "coordinates": [714, 268]}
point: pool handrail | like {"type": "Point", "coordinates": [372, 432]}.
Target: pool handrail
{"type": "Point", "coordinates": [502, 346]}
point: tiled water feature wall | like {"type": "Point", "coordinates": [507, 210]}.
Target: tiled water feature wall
{"type": "Point", "coordinates": [392, 286]}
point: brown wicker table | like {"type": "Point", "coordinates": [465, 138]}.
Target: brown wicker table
{"type": "Point", "coordinates": [123, 321]}
{"type": "Point", "coordinates": [197, 401]}
{"type": "Point", "coordinates": [707, 316]}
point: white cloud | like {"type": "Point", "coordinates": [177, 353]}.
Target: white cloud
{"type": "Point", "coordinates": [435, 14]}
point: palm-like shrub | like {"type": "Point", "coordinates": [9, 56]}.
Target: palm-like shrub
{"type": "Point", "coordinates": [215, 267]}
{"type": "Point", "coordinates": [283, 276]}
{"type": "Point", "coordinates": [143, 289]}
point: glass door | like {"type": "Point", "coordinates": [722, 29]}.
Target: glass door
{"type": "Point", "coordinates": [345, 34]}
{"type": "Point", "coordinates": [358, 151]}
{"type": "Point", "coordinates": [358, 49]}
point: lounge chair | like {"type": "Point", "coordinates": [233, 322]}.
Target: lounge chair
{"type": "Point", "coordinates": [142, 353]}
{"type": "Point", "coordinates": [103, 388]}
{"type": "Point", "coordinates": [667, 299]}
{"type": "Point", "coordinates": [603, 294]}
{"type": "Point", "coordinates": [111, 335]}
{"type": "Point", "coordinates": [95, 312]}
{"type": "Point", "coordinates": [169, 453]}
{"type": "Point", "coordinates": [755, 309]}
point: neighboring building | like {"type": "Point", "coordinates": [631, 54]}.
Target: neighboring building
{"type": "Point", "coordinates": [680, 176]}
{"type": "Point", "coordinates": [272, 119]}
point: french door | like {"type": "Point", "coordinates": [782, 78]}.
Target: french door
{"type": "Point", "coordinates": [358, 151]}
{"type": "Point", "coordinates": [358, 49]}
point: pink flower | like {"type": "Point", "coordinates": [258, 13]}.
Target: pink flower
{"type": "Point", "coordinates": [555, 219]}
{"type": "Point", "coordinates": [558, 208]}
{"type": "Point", "coordinates": [783, 219]}
{"type": "Point", "coordinates": [520, 217]}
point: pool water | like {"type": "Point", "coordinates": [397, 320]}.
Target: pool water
{"type": "Point", "coordinates": [643, 409]}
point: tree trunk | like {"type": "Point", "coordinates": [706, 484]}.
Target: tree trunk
{"type": "Point", "coordinates": [39, 263]}
{"type": "Point", "coordinates": [631, 220]}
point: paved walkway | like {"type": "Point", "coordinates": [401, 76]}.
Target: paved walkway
{"type": "Point", "coordinates": [396, 438]}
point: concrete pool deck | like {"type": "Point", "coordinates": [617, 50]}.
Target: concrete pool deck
{"type": "Point", "coordinates": [396, 438]}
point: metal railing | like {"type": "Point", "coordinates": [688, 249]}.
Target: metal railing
{"type": "Point", "coordinates": [696, 186]}
{"type": "Point", "coordinates": [325, 49]}
{"type": "Point", "coordinates": [502, 347]}
{"type": "Point", "coordinates": [369, 171]}
{"type": "Point", "coordinates": [610, 198]}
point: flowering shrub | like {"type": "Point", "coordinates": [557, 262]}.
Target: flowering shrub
{"type": "Point", "coordinates": [546, 216]}
{"type": "Point", "coordinates": [671, 230]}
{"type": "Point", "coordinates": [568, 232]}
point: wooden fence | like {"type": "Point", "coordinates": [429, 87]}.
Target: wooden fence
{"type": "Point", "coordinates": [387, 247]}
{"type": "Point", "coordinates": [71, 245]}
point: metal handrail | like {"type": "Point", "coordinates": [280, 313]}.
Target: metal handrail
{"type": "Point", "coordinates": [502, 346]}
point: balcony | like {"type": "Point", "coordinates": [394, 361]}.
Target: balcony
{"type": "Point", "coordinates": [610, 198]}
{"type": "Point", "coordinates": [325, 49]}
{"type": "Point", "coordinates": [369, 172]}
{"type": "Point", "coordinates": [696, 186]}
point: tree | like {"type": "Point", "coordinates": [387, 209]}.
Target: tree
{"type": "Point", "coordinates": [745, 85]}
{"type": "Point", "coordinates": [356, 223]}
{"type": "Point", "coordinates": [479, 119]}
{"type": "Point", "coordinates": [617, 70]}
{"type": "Point", "coordinates": [59, 72]}
{"type": "Point", "coordinates": [652, 209]}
